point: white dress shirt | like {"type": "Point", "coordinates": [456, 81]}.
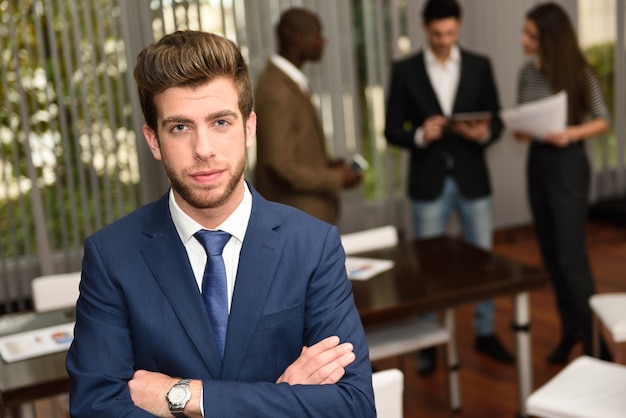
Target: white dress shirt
{"type": "Point", "coordinates": [236, 225]}
{"type": "Point", "coordinates": [444, 77]}
{"type": "Point", "coordinates": [292, 72]}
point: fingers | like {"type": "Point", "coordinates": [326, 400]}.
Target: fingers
{"type": "Point", "coordinates": [476, 130]}
{"type": "Point", "coordinates": [321, 363]}
{"type": "Point", "coordinates": [433, 127]}
{"type": "Point", "coordinates": [558, 139]}
{"type": "Point", "coordinates": [327, 366]}
{"type": "Point", "coordinates": [323, 358]}
{"type": "Point", "coordinates": [351, 178]}
{"type": "Point", "coordinates": [322, 346]}
{"type": "Point", "coordinates": [334, 371]}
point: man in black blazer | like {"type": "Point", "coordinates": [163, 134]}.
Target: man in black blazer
{"type": "Point", "coordinates": [442, 106]}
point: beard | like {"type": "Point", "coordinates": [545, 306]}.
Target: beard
{"type": "Point", "coordinates": [206, 198]}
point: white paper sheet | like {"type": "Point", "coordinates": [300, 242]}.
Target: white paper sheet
{"type": "Point", "coordinates": [36, 343]}
{"type": "Point", "coordinates": [538, 118]}
{"type": "Point", "coordinates": [361, 268]}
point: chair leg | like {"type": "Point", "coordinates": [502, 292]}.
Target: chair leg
{"type": "Point", "coordinates": [452, 359]}
{"type": "Point", "coordinates": [596, 335]}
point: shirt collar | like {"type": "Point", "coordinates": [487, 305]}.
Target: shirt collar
{"type": "Point", "coordinates": [236, 224]}
{"type": "Point", "coordinates": [292, 71]}
{"type": "Point", "coordinates": [453, 59]}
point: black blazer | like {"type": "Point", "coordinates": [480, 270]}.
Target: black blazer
{"type": "Point", "coordinates": [411, 99]}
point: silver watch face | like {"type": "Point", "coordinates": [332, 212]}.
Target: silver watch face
{"type": "Point", "coordinates": [177, 395]}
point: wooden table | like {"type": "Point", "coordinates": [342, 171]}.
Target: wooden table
{"type": "Point", "coordinates": [38, 377]}
{"type": "Point", "coordinates": [438, 274]}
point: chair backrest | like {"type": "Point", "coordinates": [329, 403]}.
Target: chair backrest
{"type": "Point", "coordinates": [55, 291]}
{"type": "Point", "coordinates": [370, 239]}
{"type": "Point", "coordinates": [388, 393]}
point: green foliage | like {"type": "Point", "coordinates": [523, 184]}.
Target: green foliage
{"type": "Point", "coordinates": [601, 57]}
{"type": "Point", "coordinates": [64, 120]}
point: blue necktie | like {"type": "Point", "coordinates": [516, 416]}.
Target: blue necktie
{"type": "Point", "coordinates": [214, 292]}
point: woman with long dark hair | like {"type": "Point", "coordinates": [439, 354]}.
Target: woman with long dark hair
{"type": "Point", "coordinates": [558, 169]}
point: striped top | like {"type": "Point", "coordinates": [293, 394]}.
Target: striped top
{"type": "Point", "coordinates": [533, 85]}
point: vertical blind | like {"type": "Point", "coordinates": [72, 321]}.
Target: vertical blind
{"type": "Point", "coordinates": [68, 161]}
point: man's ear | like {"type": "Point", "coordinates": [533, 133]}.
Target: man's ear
{"type": "Point", "coordinates": [153, 142]}
{"type": "Point", "coordinates": [250, 130]}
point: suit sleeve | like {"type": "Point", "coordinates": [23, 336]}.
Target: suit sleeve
{"type": "Point", "coordinates": [401, 122]}
{"type": "Point", "coordinates": [100, 361]}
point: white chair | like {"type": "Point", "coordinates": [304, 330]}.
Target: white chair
{"type": "Point", "coordinates": [609, 312]}
{"type": "Point", "coordinates": [55, 291]}
{"type": "Point", "coordinates": [370, 239]}
{"type": "Point", "coordinates": [586, 388]}
{"type": "Point", "coordinates": [388, 393]}
{"type": "Point", "coordinates": [402, 337]}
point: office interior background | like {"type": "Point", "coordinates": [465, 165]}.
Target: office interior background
{"type": "Point", "coordinates": [73, 158]}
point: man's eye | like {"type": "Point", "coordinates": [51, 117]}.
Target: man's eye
{"type": "Point", "coordinates": [221, 122]}
{"type": "Point", "coordinates": [178, 128]}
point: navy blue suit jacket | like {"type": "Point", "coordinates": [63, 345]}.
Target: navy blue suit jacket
{"type": "Point", "coordinates": [140, 308]}
{"type": "Point", "coordinates": [412, 99]}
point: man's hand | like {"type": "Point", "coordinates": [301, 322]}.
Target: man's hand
{"type": "Point", "coordinates": [351, 178]}
{"type": "Point", "coordinates": [148, 390]}
{"type": "Point", "coordinates": [433, 128]}
{"type": "Point", "coordinates": [474, 130]}
{"type": "Point", "coordinates": [320, 364]}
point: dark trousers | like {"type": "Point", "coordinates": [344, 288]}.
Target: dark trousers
{"type": "Point", "coordinates": [558, 188]}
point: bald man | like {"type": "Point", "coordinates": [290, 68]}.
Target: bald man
{"type": "Point", "coordinates": [293, 166]}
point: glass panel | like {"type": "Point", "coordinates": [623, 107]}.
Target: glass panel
{"type": "Point", "coordinates": [597, 31]}
{"type": "Point", "coordinates": [68, 162]}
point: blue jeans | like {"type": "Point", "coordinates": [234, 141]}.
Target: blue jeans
{"type": "Point", "coordinates": [430, 218]}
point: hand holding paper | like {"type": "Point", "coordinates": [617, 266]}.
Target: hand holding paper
{"type": "Point", "coordinates": [538, 118]}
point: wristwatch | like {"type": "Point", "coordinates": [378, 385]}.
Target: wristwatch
{"type": "Point", "coordinates": [178, 396]}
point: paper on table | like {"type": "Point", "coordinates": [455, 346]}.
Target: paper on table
{"type": "Point", "coordinates": [538, 118]}
{"type": "Point", "coordinates": [36, 343]}
{"type": "Point", "coordinates": [361, 268]}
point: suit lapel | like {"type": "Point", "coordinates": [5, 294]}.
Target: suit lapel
{"type": "Point", "coordinates": [424, 86]}
{"type": "Point", "coordinates": [305, 100]}
{"type": "Point", "coordinates": [258, 262]}
{"type": "Point", "coordinates": [168, 260]}
{"type": "Point", "coordinates": [465, 76]}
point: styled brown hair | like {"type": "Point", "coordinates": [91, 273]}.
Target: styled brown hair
{"type": "Point", "coordinates": [561, 59]}
{"type": "Point", "coordinates": [190, 59]}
